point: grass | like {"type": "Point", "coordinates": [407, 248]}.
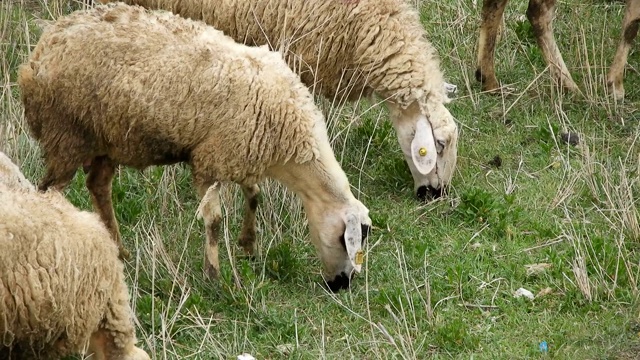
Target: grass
{"type": "Point", "coordinates": [440, 277]}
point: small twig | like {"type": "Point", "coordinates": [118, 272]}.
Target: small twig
{"type": "Point", "coordinates": [559, 239]}
{"type": "Point", "coordinates": [479, 306]}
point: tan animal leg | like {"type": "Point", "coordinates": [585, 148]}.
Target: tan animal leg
{"type": "Point", "coordinates": [247, 237]}
{"type": "Point", "coordinates": [492, 11]}
{"type": "Point", "coordinates": [211, 213]}
{"type": "Point", "coordinates": [629, 31]}
{"type": "Point", "coordinates": [99, 184]}
{"type": "Point", "coordinates": [57, 177]}
{"type": "Point", "coordinates": [540, 14]}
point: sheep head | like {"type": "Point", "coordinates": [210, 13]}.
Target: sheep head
{"type": "Point", "coordinates": [339, 236]}
{"type": "Point", "coordinates": [428, 136]}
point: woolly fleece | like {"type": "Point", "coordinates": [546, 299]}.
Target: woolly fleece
{"type": "Point", "coordinates": [148, 89]}
{"type": "Point", "coordinates": [60, 278]}
{"type": "Point", "coordinates": [345, 51]}
{"type": "Point", "coordinates": [143, 88]}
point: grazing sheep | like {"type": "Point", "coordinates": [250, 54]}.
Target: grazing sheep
{"type": "Point", "coordinates": [119, 84]}
{"type": "Point", "coordinates": [348, 49]}
{"type": "Point", "coordinates": [540, 15]}
{"type": "Point", "coordinates": [62, 287]}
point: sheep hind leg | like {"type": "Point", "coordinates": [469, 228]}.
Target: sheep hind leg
{"type": "Point", "coordinates": [247, 239]}
{"type": "Point", "coordinates": [492, 11]}
{"type": "Point", "coordinates": [630, 25]}
{"type": "Point", "coordinates": [540, 14]}
{"type": "Point", "coordinates": [210, 211]}
{"type": "Point", "coordinates": [99, 182]}
{"type": "Point", "coordinates": [57, 177]}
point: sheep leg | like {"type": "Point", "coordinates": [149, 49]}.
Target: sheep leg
{"type": "Point", "coordinates": [99, 184]}
{"type": "Point", "coordinates": [629, 32]}
{"type": "Point", "coordinates": [57, 177]}
{"type": "Point", "coordinates": [492, 11]}
{"type": "Point", "coordinates": [247, 239]}
{"type": "Point", "coordinates": [540, 15]}
{"type": "Point", "coordinates": [211, 212]}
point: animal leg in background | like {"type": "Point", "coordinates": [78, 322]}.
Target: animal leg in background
{"type": "Point", "coordinates": [210, 211]}
{"type": "Point", "coordinates": [57, 178]}
{"type": "Point", "coordinates": [99, 183]}
{"type": "Point", "coordinates": [492, 11]}
{"type": "Point", "coordinates": [247, 237]}
{"type": "Point", "coordinates": [540, 15]}
{"type": "Point", "coordinates": [629, 32]}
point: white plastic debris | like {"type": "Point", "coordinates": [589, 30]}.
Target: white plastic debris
{"type": "Point", "coordinates": [523, 292]}
{"type": "Point", "coordinates": [246, 356]}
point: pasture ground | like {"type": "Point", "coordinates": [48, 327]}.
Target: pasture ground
{"type": "Point", "coordinates": [439, 277]}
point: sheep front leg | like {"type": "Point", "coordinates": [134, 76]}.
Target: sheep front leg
{"type": "Point", "coordinates": [211, 213]}
{"type": "Point", "coordinates": [629, 32]}
{"type": "Point", "coordinates": [99, 184]}
{"type": "Point", "coordinates": [540, 15]}
{"type": "Point", "coordinates": [247, 239]}
{"type": "Point", "coordinates": [492, 11]}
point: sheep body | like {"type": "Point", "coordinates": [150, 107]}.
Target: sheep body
{"type": "Point", "coordinates": [346, 51]}
{"type": "Point", "coordinates": [121, 85]}
{"type": "Point", "coordinates": [62, 287]}
{"type": "Point", "coordinates": [140, 111]}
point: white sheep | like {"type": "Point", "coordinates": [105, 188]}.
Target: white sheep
{"type": "Point", "coordinates": [349, 49]}
{"type": "Point", "coordinates": [119, 84]}
{"type": "Point", "coordinates": [62, 286]}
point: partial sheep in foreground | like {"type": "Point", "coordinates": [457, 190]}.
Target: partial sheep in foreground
{"type": "Point", "coordinates": [121, 85]}
{"type": "Point", "coordinates": [540, 14]}
{"type": "Point", "coordinates": [346, 50]}
{"type": "Point", "coordinates": [62, 288]}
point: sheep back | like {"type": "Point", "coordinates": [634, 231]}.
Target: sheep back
{"type": "Point", "coordinates": [59, 270]}
{"type": "Point", "coordinates": [11, 176]}
{"type": "Point", "coordinates": [343, 51]}
{"type": "Point", "coordinates": [148, 88]}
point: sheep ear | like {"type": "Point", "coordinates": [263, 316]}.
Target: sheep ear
{"type": "Point", "coordinates": [353, 241]}
{"type": "Point", "coordinates": [423, 147]}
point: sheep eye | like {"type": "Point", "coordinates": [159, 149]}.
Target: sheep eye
{"type": "Point", "coordinates": [440, 145]}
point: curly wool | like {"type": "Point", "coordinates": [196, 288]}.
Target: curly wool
{"type": "Point", "coordinates": [11, 176]}
{"type": "Point", "coordinates": [342, 51]}
{"type": "Point", "coordinates": [59, 275]}
{"type": "Point", "coordinates": [149, 88]}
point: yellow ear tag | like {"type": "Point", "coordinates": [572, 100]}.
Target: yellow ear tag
{"type": "Point", "coordinates": [359, 257]}
{"type": "Point", "coordinates": [422, 151]}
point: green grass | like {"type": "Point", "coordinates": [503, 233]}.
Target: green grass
{"type": "Point", "coordinates": [439, 277]}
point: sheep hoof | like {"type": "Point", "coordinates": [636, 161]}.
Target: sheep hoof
{"type": "Point", "coordinates": [124, 254]}
{"type": "Point", "coordinates": [248, 244]}
{"type": "Point", "coordinates": [211, 272]}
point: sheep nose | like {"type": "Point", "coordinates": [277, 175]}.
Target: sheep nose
{"type": "Point", "coordinates": [341, 281]}
{"type": "Point", "coordinates": [429, 190]}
